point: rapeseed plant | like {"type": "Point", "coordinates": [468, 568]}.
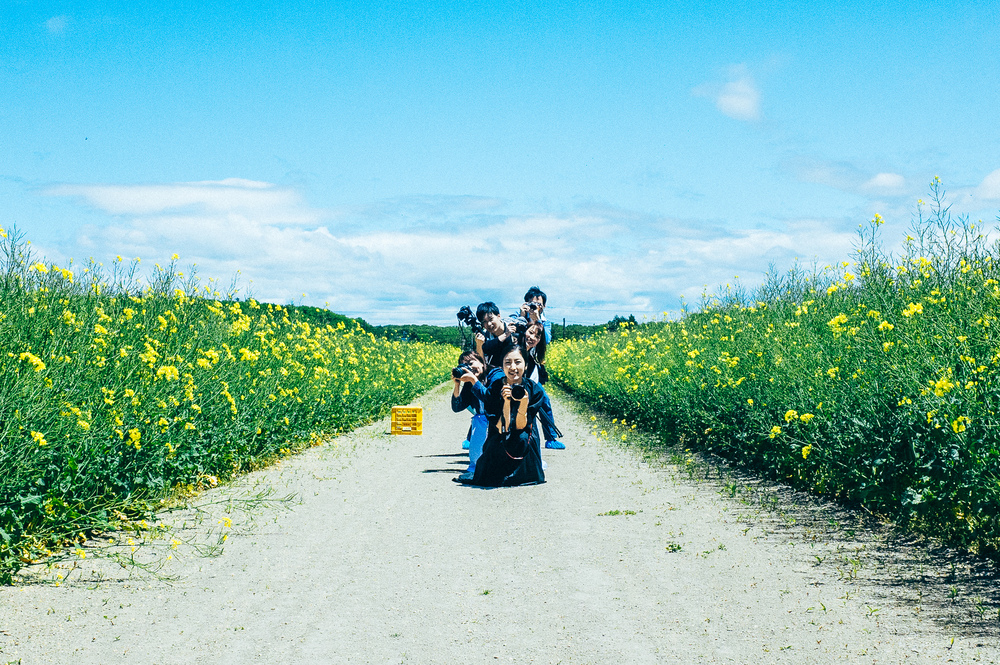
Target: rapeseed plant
{"type": "Point", "coordinates": [874, 382]}
{"type": "Point", "coordinates": [117, 394]}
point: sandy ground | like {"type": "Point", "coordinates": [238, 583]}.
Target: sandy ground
{"type": "Point", "coordinates": [385, 560]}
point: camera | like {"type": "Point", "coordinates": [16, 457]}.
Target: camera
{"type": "Point", "coordinates": [532, 305]}
{"type": "Point", "coordinates": [468, 317]}
{"type": "Point", "coordinates": [460, 371]}
{"type": "Point", "coordinates": [520, 324]}
{"type": "Point", "coordinates": [517, 391]}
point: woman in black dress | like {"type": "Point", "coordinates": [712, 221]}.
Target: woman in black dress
{"type": "Point", "coordinates": [511, 454]}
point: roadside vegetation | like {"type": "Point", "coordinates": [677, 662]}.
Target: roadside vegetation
{"type": "Point", "coordinates": [875, 382]}
{"type": "Point", "coordinates": [117, 395]}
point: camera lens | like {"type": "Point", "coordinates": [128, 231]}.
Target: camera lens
{"type": "Point", "coordinates": [517, 391]}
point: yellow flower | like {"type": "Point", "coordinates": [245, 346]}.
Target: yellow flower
{"type": "Point", "coordinates": [775, 431]}
{"type": "Point", "coordinates": [885, 326]}
{"type": "Point", "coordinates": [40, 267]}
{"type": "Point", "coordinates": [913, 308]}
{"type": "Point", "coordinates": [248, 355]}
{"type": "Point", "coordinates": [942, 386]}
{"type": "Point", "coordinates": [806, 450]}
{"type": "Point", "coordinates": [959, 424]}
{"type": "Point", "coordinates": [806, 417]}
{"type": "Point", "coordinates": [35, 361]}
{"type": "Point", "coordinates": [80, 553]}
{"type": "Point", "coordinates": [791, 415]}
{"type": "Point", "coordinates": [39, 438]}
{"type": "Point", "coordinates": [169, 372]}
{"type": "Point", "coordinates": [750, 402]}
{"type": "Point", "coordinates": [832, 372]}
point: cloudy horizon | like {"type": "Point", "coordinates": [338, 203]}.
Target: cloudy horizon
{"type": "Point", "coordinates": [395, 165]}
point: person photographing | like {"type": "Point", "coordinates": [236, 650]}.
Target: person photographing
{"type": "Point", "coordinates": [511, 453]}
{"type": "Point", "coordinates": [469, 394]}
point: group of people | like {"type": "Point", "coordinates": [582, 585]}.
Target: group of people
{"type": "Point", "coordinates": [500, 383]}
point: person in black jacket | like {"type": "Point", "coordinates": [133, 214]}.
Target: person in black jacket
{"type": "Point", "coordinates": [511, 453]}
{"type": "Point", "coordinates": [534, 343]}
{"type": "Point", "coordinates": [499, 336]}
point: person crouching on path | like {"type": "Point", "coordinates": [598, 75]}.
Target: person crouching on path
{"type": "Point", "coordinates": [511, 454]}
{"type": "Point", "coordinates": [469, 393]}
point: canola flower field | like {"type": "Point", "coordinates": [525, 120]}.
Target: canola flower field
{"type": "Point", "coordinates": [115, 396]}
{"type": "Point", "coordinates": [875, 382]}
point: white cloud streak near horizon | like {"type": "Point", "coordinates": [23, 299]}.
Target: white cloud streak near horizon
{"type": "Point", "coordinates": [417, 259]}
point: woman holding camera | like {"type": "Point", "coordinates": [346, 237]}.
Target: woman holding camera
{"type": "Point", "coordinates": [469, 394]}
{"type": "Point", "coordinates": [534, 343]}
{"type": "Point", "coordinates": [511, 455]}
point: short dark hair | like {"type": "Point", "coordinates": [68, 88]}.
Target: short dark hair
{"type": "Point", "coordinates": [485, 308]}
{"type": "Point", "coordinates": [534, 292]}
{"type": "Point", "coordinates": [470, 354]}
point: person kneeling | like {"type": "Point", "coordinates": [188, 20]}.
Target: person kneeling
{"type": "Point", "coordinates": [511, 453]}
{"type": "Point", "coordinates": [469, 394]}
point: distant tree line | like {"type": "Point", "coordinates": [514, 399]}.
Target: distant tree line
{"type": "Point", "coordinates": [442, 334]}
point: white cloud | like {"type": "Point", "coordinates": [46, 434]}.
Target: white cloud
{"type": "Point", "coordinates": [57, 24]}
{"type": "Point", "coordinates": [989, 188]}
{"type": "Point", "coordinates": [739, 98]}
{"type": "Point", "coordinates": [418, 259]}
{"type": "Point", "coordinates": [885, 183]}
{"type": "Point", "coordinates": [233, 195]}
{"type": "Point", "coordinates": [977, 201]}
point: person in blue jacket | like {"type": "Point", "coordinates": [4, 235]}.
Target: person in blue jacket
{"type": "Point", "coordinates": [468, 394]}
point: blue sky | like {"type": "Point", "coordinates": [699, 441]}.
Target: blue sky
{"type": "Point", "coordinates": [400, 160]}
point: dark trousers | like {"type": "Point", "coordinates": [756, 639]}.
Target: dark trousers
{"type": "Point", "coordinates": [550, 431]}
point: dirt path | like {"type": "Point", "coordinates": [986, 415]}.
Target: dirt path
{"type": "Point", "coordinates": [385, 560]}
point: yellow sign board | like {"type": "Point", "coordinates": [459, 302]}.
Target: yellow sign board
{"type": "Point", "coordinates": [407, 420]}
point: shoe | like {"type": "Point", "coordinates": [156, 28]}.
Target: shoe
{"type": "Point", "coordinates": [464, 478]}
{"type": "Point", "coordinates": [465, 445]}
{"type": "Point", "coordinates": [555, 445]}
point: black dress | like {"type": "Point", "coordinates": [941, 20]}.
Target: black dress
{"type": "Point", "coordinates": [511, 457]}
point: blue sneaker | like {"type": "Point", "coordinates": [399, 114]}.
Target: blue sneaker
{"type": "Point", "coordinates": [555, 445]}
{"type": "Point", "coordinates": [465, 445]}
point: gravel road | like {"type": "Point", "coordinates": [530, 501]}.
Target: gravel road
{"type": "Point", "coordinates": [383, 559]}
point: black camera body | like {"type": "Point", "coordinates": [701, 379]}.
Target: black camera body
{"type": "Point", "coordinates": [468, 317]}
{"type": "Point", "coordinates": [460, 371]}
{"type": "Point", "coordinates": [517, 391]}
{"type": "Point", "coordinates": [521, 324]}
